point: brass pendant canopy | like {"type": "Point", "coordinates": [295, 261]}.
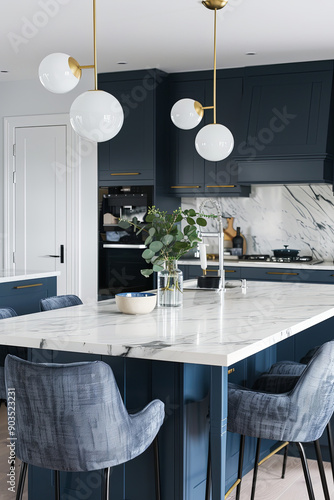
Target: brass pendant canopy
{"type": "Point", "coordinates": [74, 67]}
{"type": "Point", "coordinates": [199, 109]}
{"type": "Point", "coordinates": [214, 4]}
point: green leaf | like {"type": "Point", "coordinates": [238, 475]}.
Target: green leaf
{"type": "Point", "coordinates": [192, 212]}
{"type": "Point", "coordinates": [157, 268]}
{"type": "Point", "coordinates": [146, 272]}
{"type": "Point", "coordinates": [180, 245]}
{"type": "Point", "coordinates": [148, 254]}
{"type": "Point", "coordinates": [178, 218]}
{"type": "Point", "coordinates": [190, 221]}
{"type": "Point", "coordinates": [179, 235]}
{"type": "Point", "coordinates": [124, 224]}
{"type": "Point", "coordinates": [151, 231]}
{"type": "Point", "coordinates": [167, 239]}
{"type": "Point", "coordinates": [149, 218]}
{"type": "Point", "coordinates": [200, 221]}
{"type": "Point", "coordinates": [155, 246]}
{"type": "Point", "coordinates": [148, 240]}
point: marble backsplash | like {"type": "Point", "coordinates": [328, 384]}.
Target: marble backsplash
{"type": "Point", "coordinates": [299, 216]}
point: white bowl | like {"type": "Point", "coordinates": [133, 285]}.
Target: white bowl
{"type": "Point", "coordinates": [136, 302]}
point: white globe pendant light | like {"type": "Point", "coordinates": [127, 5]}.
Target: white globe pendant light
{"type": "Point", "coordinates": [96, 115]}
{"type": "Point", "coordinates": [59, 73]}
{"type": "Point", "coordinates": [214, 142]}
{"type": "Point", "coordinates": [186, 114]}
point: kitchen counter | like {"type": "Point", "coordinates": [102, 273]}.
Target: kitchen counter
{"type": "Point", "coordinates": [197, 342]}
{"type": "Point", "coordinates": [323, 266]}
{"type": "Point", "coordinates": [8, 276]}
{"type": "Point", "coordinates": [212, 328]}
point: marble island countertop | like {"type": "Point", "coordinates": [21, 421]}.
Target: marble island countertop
{"type": "Point", "coordinates": [10, 275]}
{"type": "Point", "coordinates": [211, 327]}
{"type": "Point", "coordinates": [323, 266]}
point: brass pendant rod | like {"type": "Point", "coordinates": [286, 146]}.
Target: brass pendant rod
{"type": "Point", "coordinates": [87, 67]}
{"type": "Point", "coordinates": [214, 68]}
{"type": "Point", "coordinates": [94, 31]}
{"type": "Point", "coordinates": [207, 107]}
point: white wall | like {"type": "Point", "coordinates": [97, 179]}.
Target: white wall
{"type": "Point", "coordinates": [30, 98]}
{"type": "Point", "coordinates": [299, 216]}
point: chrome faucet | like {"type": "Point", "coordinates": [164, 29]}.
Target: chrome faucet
{"type": "Point", "coordinates": [220, 235]}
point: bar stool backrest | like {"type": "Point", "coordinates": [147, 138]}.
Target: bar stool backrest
{"type": "Point", "coordinates": [71, 417]}
{"type": "Point", "coordinates": [59, 301]}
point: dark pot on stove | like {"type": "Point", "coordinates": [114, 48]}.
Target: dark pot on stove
{"type": "Point", "coordinates": [286, 252]}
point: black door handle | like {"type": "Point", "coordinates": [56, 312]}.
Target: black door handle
{"type": "Point", "coordinates": [61, 256]}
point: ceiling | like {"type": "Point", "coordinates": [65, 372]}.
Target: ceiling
{"type": "Point", "coordinates": [174, 36]}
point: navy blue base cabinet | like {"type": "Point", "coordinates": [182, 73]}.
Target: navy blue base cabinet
{"type": "Point", "coordinates": [24, 296]}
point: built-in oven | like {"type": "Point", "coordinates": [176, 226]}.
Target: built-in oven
{"type": "Point", "coordinates": [120, 250]}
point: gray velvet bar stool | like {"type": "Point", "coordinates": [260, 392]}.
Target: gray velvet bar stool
{"type": "Point", "coordinates": [59, 301]}
{"type": "Point", "coordinates": [71, 417]}
{"type": "Point", "coordinates": [282, 377]}
{"type": "Point", "coordinates": [6, 312]}
{"type": "Point", "coordinates": [298, 416]}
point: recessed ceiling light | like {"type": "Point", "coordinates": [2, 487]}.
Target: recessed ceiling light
{"type": "Point", "coordinates": [250, 53]}
{"type": "Point", "coordinates": [122, 62]}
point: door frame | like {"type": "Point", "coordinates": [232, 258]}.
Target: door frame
{"type": "Point", "coordinates": [73, 169]}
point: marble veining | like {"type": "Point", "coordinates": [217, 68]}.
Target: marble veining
{"type": "Point", "coordinates": [211, 328]}
{"type": "Point", "coordinates": [299, 216]}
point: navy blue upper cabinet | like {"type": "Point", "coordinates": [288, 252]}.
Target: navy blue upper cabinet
{"type": "Point", "coordinates": [286, 124]}
{"type": "Point", "coordinates": [187, 166]}
{"type": "Point", "coordinates": [191, 174]}
{"type": "Point", "coordinates": [134, 155]}
{"type": "Point", "coordinates": [222, 176]}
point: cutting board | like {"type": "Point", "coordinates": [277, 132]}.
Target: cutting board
{"type": "Point", "coordinates": [230, 232]}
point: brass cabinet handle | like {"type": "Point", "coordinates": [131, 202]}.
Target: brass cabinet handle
{"type": "Point", "coordinates": [230, 271]}
{"type": "Point", "coordinates": [127, 173]}
{"type": "Point", "coordinates": [231, 370]}
{"type": "Point", "coordinates": [27, 286]}
{"type": "Point", "coordinates": [223, 186]}
{"type": "Point", "coordinates": [185, 187]}
{"type": "Point", "coordinates": [289, 274]}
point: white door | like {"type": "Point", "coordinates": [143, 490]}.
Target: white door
{"type": "Point", "coordinates": [40, 201]}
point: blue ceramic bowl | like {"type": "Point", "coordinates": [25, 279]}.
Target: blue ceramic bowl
{"type": "Point", "coordinates": [136, 302]}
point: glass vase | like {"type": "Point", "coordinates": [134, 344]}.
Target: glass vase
{"type": "Point", "coordinates": [170, 285]}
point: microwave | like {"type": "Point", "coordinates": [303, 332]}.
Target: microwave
{"type": "Point", "coordinates": [122, 202]}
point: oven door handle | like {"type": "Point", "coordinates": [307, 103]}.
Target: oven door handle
{"type": "Point", "coordinates": [122, 245]}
